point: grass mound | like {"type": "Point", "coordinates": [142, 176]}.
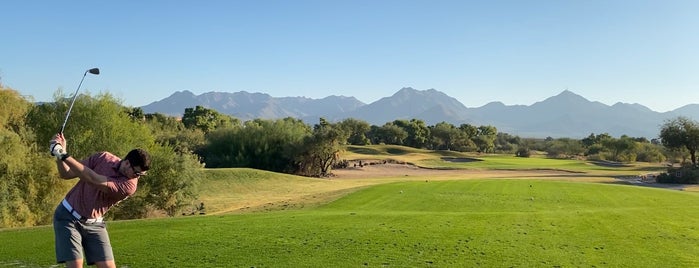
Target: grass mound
{"type": "Point", "coordinates": [243, 189]}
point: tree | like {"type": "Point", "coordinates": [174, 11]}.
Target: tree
{"type": "Point", "coordinates": [563, 147]}
{"type": "Point", "coordinates": [136, 113]}
{"type": "Point", "coordinates": [357, 131]}
{"type": "Point", "coordinates": [168, 130]}
{"type": "Point", "coordinates": [506, 142]}
{"type": "Point", "coordinates": [29, 184]}
{"type": "Point", "coordinates": [648, 152]}
{"type": "Point", "coordinates": [390, 133]}
{"type": "Point", "coordinates": [465, 138]}
{"type": "Point", "coordinates": [589, 140]}
{"type": "Point", "coordinates": [681, 132]}
{"type": "Point", "coordinates": [206, 119]}
{"type": "Point", "coordinates": [485, 138]}
{"type": "Point", "coordinates": [95, 124]}
{"type": "Point", "coordinates": [261, 144]}
{"type": "Point", "coordinates": [621, 149]}
{"type": "Point", "coordinates": [321, 150]}
{"type": "Point", "coordinates": [443, 135]}
{"type": "Point", "coordinates": [594, 145]}
{"type": "Point", "coordinates": [470, 131]}
{"type": "Point", "coordinates": [14, 109]}
{"type": "Point", "coordinates": [418, 133]}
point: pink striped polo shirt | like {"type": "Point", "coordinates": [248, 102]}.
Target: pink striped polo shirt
{"type": "Point", "coordinates": [92, 202]}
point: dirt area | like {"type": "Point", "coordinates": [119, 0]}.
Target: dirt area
{"type": "Point", "coordinates": [407, 170]}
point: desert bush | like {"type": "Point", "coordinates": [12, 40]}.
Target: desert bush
{"type": "Point", "coordinates": [523, 152]}
{"type": "Point", "coordinates": [686, 175]}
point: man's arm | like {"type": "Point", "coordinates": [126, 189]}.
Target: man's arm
{"type": "Point", "coordinates": [65, 171]}
{"type": "Point", "coordinates": [58, 147]}
{"type": "Point", "coordinates": [77, 169]}
{"type": "Point", "coordinates": [69, 167]}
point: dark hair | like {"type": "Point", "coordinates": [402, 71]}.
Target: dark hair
{"type": "Point", "coordinates": [139, 158]}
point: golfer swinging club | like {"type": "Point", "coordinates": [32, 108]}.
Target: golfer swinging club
{"type": "Point", "coordinates": [104, 181]}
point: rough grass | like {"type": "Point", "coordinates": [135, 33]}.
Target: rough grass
{"type": "Point", "coordinates": [243, 190]}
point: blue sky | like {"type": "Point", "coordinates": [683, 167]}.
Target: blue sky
{"type": "Point", "coordinates": [516, 52]}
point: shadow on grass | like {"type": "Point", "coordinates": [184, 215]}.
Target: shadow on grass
{"type": "Point", "coordinates": [398, 151]}
{"type": "Point", "coordinates": [382, 150]}
{"type": "Point", "coordinates": [605, 163]}
{"type": "Point", "coordinates": [363, 150]}
{"type": "Point", "coordinates": [449, 153]}
{"type": "Point", "coordinates": [653, 169]}
{"type": "Point", "coordinates": [669, 186]}
{"type": "Point", "coordinates": [461, 159]}
{"type": "Point", "coordinates": [618, 182]}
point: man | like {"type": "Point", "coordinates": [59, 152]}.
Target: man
{"type": "Point", "coordinates": [104, 181]}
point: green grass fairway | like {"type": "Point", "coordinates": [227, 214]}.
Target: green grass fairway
{"type": "Point", "coordinates": [459, 160]}
{"type": "Point", "coordinates": [461, 223]}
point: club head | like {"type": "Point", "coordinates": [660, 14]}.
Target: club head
{"type": "Point", "coordinates": [94, 71]}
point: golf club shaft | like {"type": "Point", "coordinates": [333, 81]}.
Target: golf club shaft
{"type": "Point", "coordinates": [72, 102]}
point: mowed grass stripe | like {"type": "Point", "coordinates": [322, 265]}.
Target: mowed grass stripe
{"type": "Point", "coordinates": [508, 196]}
{"type": "Point", "coordinates": [488, 223]}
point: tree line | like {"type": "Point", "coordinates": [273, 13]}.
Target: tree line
{"type": "Point", "coordinates": [223, 141]}
{"type": "Point", "coordinates": [30, 188]}
{"type": "Point", "coordinates": [289, 145]}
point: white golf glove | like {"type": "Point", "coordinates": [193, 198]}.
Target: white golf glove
{"type": "Point", "coordinates": [57, 150]}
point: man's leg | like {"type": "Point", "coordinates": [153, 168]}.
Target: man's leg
{"type": "Point", "coordinates": [67, 238]}
{"type": "Point", "coordinates": [75, 263]}
{"type": "Point", "coordinates": [98, 248]}
{"type": "Point", "coordinates": [105, 264]}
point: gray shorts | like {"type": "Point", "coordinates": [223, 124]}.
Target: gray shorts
{"type": "Point", "coordinates": [73, 238]}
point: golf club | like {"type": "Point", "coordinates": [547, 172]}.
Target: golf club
{"type": "Point", "coordinates": [94, 71]}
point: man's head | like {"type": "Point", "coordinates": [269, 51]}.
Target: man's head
{"type": "Point", "coordinates": [139, 158]}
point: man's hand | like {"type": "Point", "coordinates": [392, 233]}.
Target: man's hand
{"type": "Point", "coordinates": [57, 146]}
{"type": "Point", "coordinates": [57, 151]}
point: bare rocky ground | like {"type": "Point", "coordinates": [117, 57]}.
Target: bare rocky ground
{"type": "Point", "coordinates": [407, 170]}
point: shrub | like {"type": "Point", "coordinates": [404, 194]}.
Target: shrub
{"type": "Point", "coordinates": [685, 175]}
{"type": "Point", "coordinates": [523, 152]}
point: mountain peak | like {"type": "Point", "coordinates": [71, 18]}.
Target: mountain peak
{"type": "Point", "coordinates": [566, 97]}
{"type": "Point", "coordinates": [567, 91]}
{"type": "Point", "coordinates": [406, 91]}
{"type": "Point", "coordinates": [567, 94]}
{"type": "Point", "coordinates": [409, 92]}
{"type": "Point", "coordinates": [183, 93]}
{"type": "Point", "coordinates": [564, 115]}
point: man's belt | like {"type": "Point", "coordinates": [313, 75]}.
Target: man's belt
{"type": "Point", "coordinates": [77, 215]}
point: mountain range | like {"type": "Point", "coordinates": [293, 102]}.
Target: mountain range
{"type": "Point", "coordinates": [564, 115]}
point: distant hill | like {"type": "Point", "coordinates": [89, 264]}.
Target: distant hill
{"type": "Point", "coordinates": [245, 106]}
{"type": "Point", "coordinates": [429, 105]}
{"type": "Point", "coordinates": [564, 115]}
